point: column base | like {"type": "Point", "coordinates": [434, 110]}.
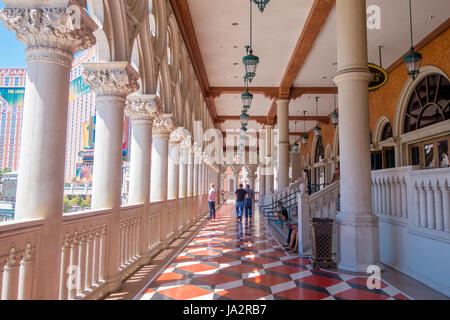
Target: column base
{"type": "Point", "coordinates": [358, 242]}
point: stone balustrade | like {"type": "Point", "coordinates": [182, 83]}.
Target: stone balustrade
{"type": "Point", "coordinates": [322, 204]}
{"type": "Point", "coordinates": [84, 241]}
{"type": "Point", "coordinates": [416, 197]}
{"type": "Point", "coordinates": [19, 243]}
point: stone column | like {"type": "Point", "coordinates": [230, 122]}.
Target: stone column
{"type": "Point", "coordinates": [190, 186]}
{"type": "Point", "coordinates": [50, 45]}
{"type": "Point", "coordinates": [262, 182]}
{"type": "Point", "coordinates": [183, 171]}
{"type": "Point", "coordinates": [141, 109]}
{"type": "Point", "coordinates": [190, 172]}
{"type": "Point", "coordinates": [162, 127]}
{"type": "Point", "coordinates": [196, 174]}
{"type": "Point", "coordinates": [236, 179]}
{"type": "Point", "coordinates": [269, 161]}
{"type": "Point", "coordinates": [173, 188]}
{"type": "Point", "coordinates": [358, 226]}
{"type": "Point", "coordinates": [283, 143]}
{"type": "Point", "coordinates": [111, 82]}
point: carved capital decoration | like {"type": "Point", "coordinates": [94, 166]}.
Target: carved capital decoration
{"type": "Point", "coordinates": [60, 31]}
{"type": "Point", "coordinates": [111, 78]}
{"type": "Point", "coordinates": [143, 108]}
{"type": "Point", "coordinates": [163, 125]}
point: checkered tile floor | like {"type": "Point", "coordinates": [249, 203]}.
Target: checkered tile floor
{"type": "Point", "coordinates": [242, 261]}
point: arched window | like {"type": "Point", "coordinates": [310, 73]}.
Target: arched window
{"type": "Point", "coordinates": [428, 104]}
{"type": "Point", "coordinates": [319, 152]}
{"type": "Point", "coordinates": [387, 132]}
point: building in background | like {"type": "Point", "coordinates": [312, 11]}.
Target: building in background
{"type": "Point", "coordinates": [12, 91]}
{"type": "Point", "coordinates": [81, 111]}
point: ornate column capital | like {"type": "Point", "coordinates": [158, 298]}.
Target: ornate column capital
{"type": "Point", "coordinates": [51, 34]}
{"type": "Point", "coordinates": [163, 125]}
{"type": "Point", "coordinates": [111, 78]}
{"type": "Point", "coordinates": [178, 136]}
{"type": "Point", "coordinates": [143, 108]}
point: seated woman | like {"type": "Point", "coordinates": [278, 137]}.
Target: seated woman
{"type": "Point", "coordinates": [293, 243]}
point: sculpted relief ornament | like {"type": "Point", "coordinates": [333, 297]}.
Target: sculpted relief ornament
{"type": "Point", "coordinates": [163, 125]}
{"type": "Point", "coordinates": [111, 78]}
{"type": "Point", "coordinates": [143, 108]}
{"type": "Point", "coordinates": [50, 30]}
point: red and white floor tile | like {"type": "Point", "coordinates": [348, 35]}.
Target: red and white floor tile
{"type": "Point", "coordinates": [243, 261]}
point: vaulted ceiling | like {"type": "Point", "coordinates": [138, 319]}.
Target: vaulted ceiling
{"type": "Point", "coordinates": [296, 43]}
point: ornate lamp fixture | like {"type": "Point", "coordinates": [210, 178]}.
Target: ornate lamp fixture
{"type": "Point", "coordinates": [250, 61]}
{"type": "Point", "coordinates": [246, 97]}
{"type": "Point", "coordinates": [261, 4]}
{"type": "Point", "coordinates": [412, 60]}
{"type": "Point", "coordinates": [244, 118]}
{"type": "Point", "coordinates": [305, 136]}
{"type": "Point", "coordinates": [334, 115]}
{"type": "Point", "coordinates": [317, 129]}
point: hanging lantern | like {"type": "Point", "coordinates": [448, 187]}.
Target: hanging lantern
{"type": "Point", "coordinates": [305, 139]}
{"type": "Point", "coordinates": [296, 147]}
{"type": "Point", "coordinates": [334, 116]}
{"type": "Point", "coordinates": [261, 4]}
{"type": "Point", "coordinates": [250, 62]}
{"type": "Point", "coordinates": [412, 60]}
{"type": "Point", "coordinates": [244, 118]}
{"type": "Point", "coordinates": [247, 99]}
{"type": "Point", "coordinates": [334, 119]}
{"type": "Point", "coordinates": [317, 131]}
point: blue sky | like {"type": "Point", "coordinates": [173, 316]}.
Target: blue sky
{"type": "Point", "coordinates": [12, 51]}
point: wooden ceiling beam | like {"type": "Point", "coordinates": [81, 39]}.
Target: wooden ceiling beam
{"type": "Point", "coordinates": [270, 92]}
{"type": "Point", "coordinates": [315, 22]}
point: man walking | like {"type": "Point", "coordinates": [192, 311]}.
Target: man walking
{"type": "Point", "coordinates": [240, 197]}
{"type": "Point", "coordinates": [248, 202]}
{"type": "Point", "coordinates": [212, 202]}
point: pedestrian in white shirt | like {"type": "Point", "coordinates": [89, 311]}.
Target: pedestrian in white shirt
{"type": "Point", "coordinates": [212, 202]}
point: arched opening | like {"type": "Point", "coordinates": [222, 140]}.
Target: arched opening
{"type": "Point", "coordinates": [428, 106]}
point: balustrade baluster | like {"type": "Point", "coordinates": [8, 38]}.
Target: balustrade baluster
{"type": "Point", "coordinates": [26, 274]}
{"type": "Point", "coordinates": [383, 195]}
{"type": "Point", "coordinates": [398, 197]}
{"type": "Point", "coordinates": [89, 255]}
{"type": "Point", "coordinates": [389, 197]}
{"type": "Point", "coordinates": [431, 218]}
{"type": "Point", "coordinates": [82, 264]}
{"type": "Point", "coordinates": [63, 276]}
{"type": "Point", "coordinates": [423, 205]}
{"type": "Point", "coordinates": [404, 198]}
{"type": "Point", "coordinates": [438, 206]}
{"type": "Point", "coordinates": [122, 244]}
{"type": "Point", "coordinates": [74, 255]}
{"type": "Point", "coordinates": [374, 196]}
{"type": "Point", "coordinates": [10, 288]}
{"type": "Point", "coordinates": [416, 204]}
{"type": "Point", "coordinates": [2, 265]}
{"type": "Point", "coordinates": [96, 257]}
{"type": "Point", "coordinates": [102, 260]}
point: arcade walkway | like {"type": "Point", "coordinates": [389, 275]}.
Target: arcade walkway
{"type": "Point", "coordinates": [227, 260]}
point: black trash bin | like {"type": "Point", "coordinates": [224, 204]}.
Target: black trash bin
{"type": "Point", "coordinates": [322, 242]}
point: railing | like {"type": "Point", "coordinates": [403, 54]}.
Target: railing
{"type": "Point", "coordinates": [83, 253]}
{"type": "Point", "coordinates": [423, 194]}
{"type": "Point", "coordinates": [86, 247]}
{"type": "Point", "coordinates": [322, 204]}
{"type": "Point", "coordinates": [413, 207]}
{"type": "Point", "coordinates": [130, 226]}
{"type": "Point", "coordinates": [19, 241]}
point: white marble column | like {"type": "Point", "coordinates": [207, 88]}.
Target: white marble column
{"type": "Point", "coordinates": [141, 109]}
{"type": "Point", "coordinates": [162, 128]}
{"type": "Point", "coordinates": [283, 142]}
{"type": "Point", "coordinates": [173, 187]}
{"type": "Point", "coordinates": [269, 169]}
{"type": "Point", "coordinates": [112, 82]}
{"type": "Point", "coordinates": [190, 185]}
{"type": "Point", "coordinates": [50, 46]}
{"type": "Point", "coordinates": [262, 181]}
{"type": "Point", "coordinates": [358, 236]}
{"type": "Point", "coordinates": [295, 164]}
{"type": "Point", "coordinates": [196, 174]}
